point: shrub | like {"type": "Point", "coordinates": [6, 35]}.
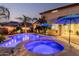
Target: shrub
{"type": "Point", "coordinates": [2, 38]}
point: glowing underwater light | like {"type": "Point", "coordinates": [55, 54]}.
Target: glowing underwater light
{"type": "Point", "coordinates": [9, 42]}
{"type": "Point", "coordinates": [6, 44]}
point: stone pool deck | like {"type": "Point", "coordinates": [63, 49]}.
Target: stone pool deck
{"type": "Point", "coordinates": [70, 50]}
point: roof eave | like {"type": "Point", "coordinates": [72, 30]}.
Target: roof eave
{"type": "Point", "coordinates": [59, 8]}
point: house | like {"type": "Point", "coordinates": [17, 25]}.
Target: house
{"type": "Point", "coordinates": [54, 14]}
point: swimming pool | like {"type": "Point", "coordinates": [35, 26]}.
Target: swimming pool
{"type": "Point", "coordinates": [44, 47]}
{"type": "Point", "coordinates": [37, 44]}
{"type": "Point", "coordinates": [16, 39]}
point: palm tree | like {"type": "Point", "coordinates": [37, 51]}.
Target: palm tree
{"type": "Point", "coordinates": [4, 12]}
{"type": "Point", "coordinates": [25, 20]}
{"type": "Point", "coordinates": [8, 13]}
{"type": "Point", "coordinates": [42, 20]}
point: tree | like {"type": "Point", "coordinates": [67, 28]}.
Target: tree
{"type": "Point", "coordinates": [42, 20]}
{"type": "Point", "coordinates": [25, 20]}
{"type": "Point", "coordinates": [4, 12]}
{"type": "Point", "coordinates": [35, 19]}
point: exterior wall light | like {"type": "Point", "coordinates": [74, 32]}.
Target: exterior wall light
{"type": "Point", "coordinates": [54, 11]}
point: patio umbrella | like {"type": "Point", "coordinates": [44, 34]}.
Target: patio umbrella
{"type": "Point", "coordinates": [46, 25]}
{"type": "Point", "coordinates": [69, 19]}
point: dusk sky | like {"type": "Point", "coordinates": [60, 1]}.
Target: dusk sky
{"type": "Point", "coordinates": [29, 9]}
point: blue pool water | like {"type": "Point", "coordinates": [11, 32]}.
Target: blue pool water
{"type": "Point", "coordinates": [44, 47]}
{"type": "Point", "coordinates": [16, 39]}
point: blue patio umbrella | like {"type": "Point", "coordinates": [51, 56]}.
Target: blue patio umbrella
{"type": "Point", "coordinates": [69, 19]}
{"type": "Point", "coordinates": [46, 25]}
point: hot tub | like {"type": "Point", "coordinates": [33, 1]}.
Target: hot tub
{"type": "Point", "coordinates": [44, 47]}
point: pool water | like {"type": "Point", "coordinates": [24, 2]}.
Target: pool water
{"type": "Point", "coordinates": [44, 47]}
{"type": "Point", "coordinates": [16, 39]}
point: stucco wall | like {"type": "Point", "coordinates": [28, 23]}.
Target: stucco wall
{"type": "Point", "coordinates": [62, 12]}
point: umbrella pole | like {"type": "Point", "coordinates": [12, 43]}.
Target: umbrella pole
{"type": "Point", "coordinates": [69, 34]}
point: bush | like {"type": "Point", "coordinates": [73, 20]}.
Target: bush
{"type": "Point", "coordinates": [2, 38]}
{"type": "Point", "coordinates": [3, 31]}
